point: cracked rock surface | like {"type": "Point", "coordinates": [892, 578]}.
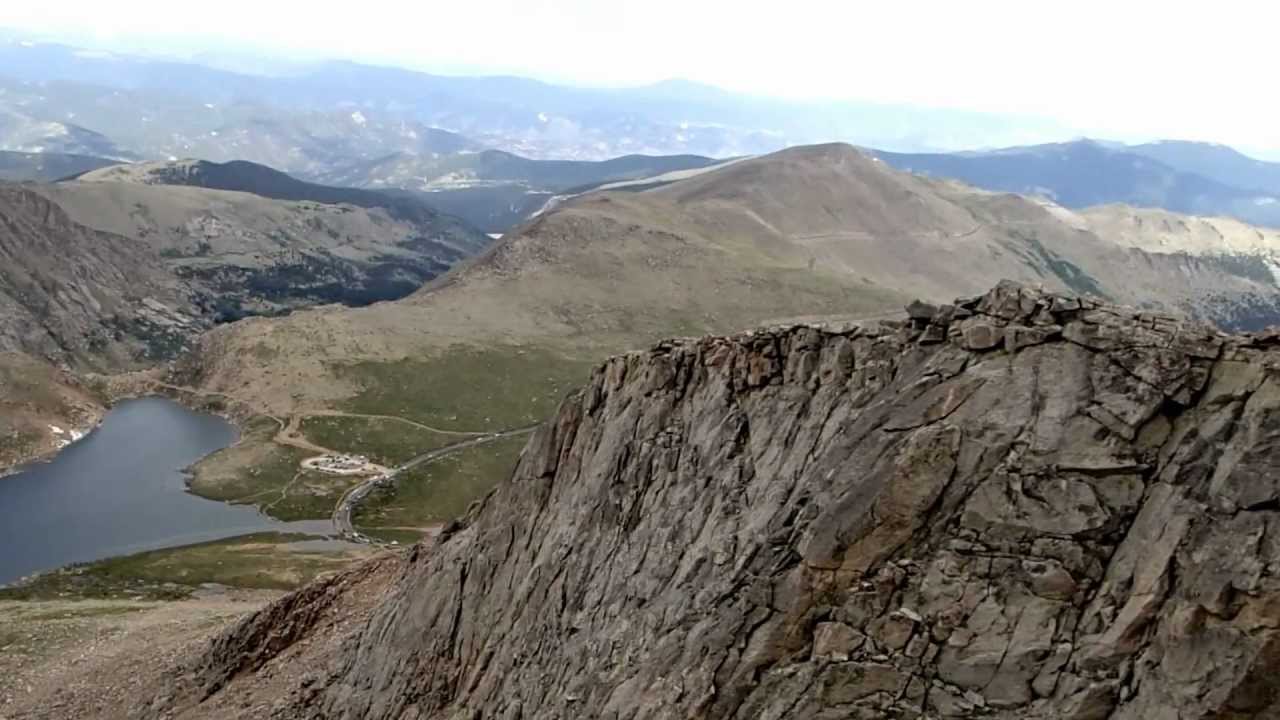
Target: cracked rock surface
{"type": "Point", "coordinates": [1022, 505]}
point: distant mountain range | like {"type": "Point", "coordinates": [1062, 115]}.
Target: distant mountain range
{"type": "Point", "coordinates": [495, 150]}
{"type": "Point", "coordinates": [495, 190]}
{"type": "Point", "coordinates": [1185, 177]}
{"type": "Point", "coordinates": [159, 109]}
{"type": "Point", "coordinates": [46, 166]}
{"type": "Point", "coordinates": [1216, 162]}
{"type": "Point", "coordinates": [23, 132]}
{"type": "Point", "coordinates": [56, 116]}
{"type": "Point", "coordinates": [490, 168]}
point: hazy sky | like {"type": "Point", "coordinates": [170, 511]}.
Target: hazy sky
{"type": "Point", "coordinates": [1119, 68]}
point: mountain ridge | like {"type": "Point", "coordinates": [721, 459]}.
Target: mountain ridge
{"type": "Point", "coordinates": [46, 166]}
{"type": "Point", "coordinates": [1085, 173]}
{"type": "Point", "coordinates": [1217, 162]}
{"type": "Point", "coordinates": [806, 232]}
{"type": "Point", "coordinates": [533, 118]}
{"type": "Point", "coordinates": [264, 181]}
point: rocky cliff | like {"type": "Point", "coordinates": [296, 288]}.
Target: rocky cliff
{"type": "Point", "coordinates": [1022, 505]}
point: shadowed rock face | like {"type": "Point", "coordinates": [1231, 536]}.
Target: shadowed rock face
{"type": "Point", "coordinates": [1021, 505]}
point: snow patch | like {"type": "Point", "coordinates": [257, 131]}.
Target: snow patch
{"type": "Point", "coordinates": [542, 117]}
{"type": "Point", "coordinates": [1274, 267]}
{"type": "Point", "coordinates": [358, 118]}
{"type": "Point", "coordinates": [63, 438]}
{"type": "Point", "coordinates": [1076, 222]}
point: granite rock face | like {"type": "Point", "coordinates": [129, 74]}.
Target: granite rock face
{"type": "Point", "coordinates": [1022, 505]}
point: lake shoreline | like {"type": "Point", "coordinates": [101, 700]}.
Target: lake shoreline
{"type": "Point", "coordinates": [49, 449]}
{"type": "Point", "coordinates": [111, 390]}
{"type": "Point", "coordinates": [53, 516]}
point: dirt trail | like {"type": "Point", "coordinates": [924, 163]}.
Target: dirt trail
{"type": "Point", "coordinates": [291, 435]}
{"type": "Point", "coordinates": [195, 391]}
{"type": "Point", "coordinates": [394, 418]}
{"type": "Point", "coordinates": [284, 492]}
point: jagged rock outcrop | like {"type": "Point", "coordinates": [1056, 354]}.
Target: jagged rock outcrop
{"type": "Point", "coordinates": [1022, 505]}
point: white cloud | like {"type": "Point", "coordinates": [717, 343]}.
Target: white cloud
{"type": "Point", "coordinates": [1112, 67]}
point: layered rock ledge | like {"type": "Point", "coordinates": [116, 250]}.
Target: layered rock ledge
{"type": "Point", "coordinates": [1022, 505]}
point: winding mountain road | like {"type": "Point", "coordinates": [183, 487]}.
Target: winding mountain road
{"type": "Point", "coordinates": [350, 499]}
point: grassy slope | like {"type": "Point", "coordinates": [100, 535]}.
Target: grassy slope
{"type": "Point", "coordinates": [263, 560]}
{"type": "Point", "coordinates": [260, 472]}
{"type": "Point", "coordinates": [386, 442]}
{"type": "Point", "coordinates": [439, 491]}
{"type": "Point", "coordinates": [466, 388]}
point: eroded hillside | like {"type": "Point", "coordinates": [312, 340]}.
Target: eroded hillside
{"type": "Point", "coordinates": [83, 296]}
{"type": "Point", "coordinates": [1020, 505]}
{"type": "Point", "coordinates": [250, 254]}
{"type": "Point", "coordinates": [109, 274]}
